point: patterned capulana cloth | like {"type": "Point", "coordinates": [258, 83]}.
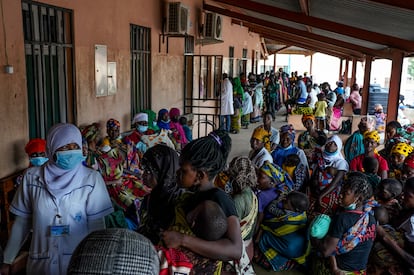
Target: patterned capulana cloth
{"type": "Point", "coordinates": [114, 251]}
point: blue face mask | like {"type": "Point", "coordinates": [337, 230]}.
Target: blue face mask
{"type": "Point", "coordinates": [38, 161]}
{"type": "Point", "coordinates": [352, 206]}
{"type": "Point", "coordinates": [142, 128]}
{"type": "Point", "coordinates": [69, 159]}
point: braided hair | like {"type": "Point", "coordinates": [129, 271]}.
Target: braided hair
{"type": "Point", "coordinates": [358, 183]}
{"type": "Point", "coordinates": [208, 153]}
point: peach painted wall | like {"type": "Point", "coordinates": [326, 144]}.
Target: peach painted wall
{"type": "Point", "coordinates": [105, 22]}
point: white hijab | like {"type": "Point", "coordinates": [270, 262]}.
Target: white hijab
{"type": "Point", "coordinates": [336, 159]}
{"type": "Point", "coordinates": [60, 181]}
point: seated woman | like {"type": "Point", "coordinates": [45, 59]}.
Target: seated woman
{"type": "Point", "coordinates": [176, 128]}
{"type": "Point", "coordinates": [116, 162]}
{"type": "Point", "coordinates": [311, 138]}
{"type": "Point", "coordinates": [352, 231]}
{"type": "Point", "coordinates": [287, 147]}
{"type": "Point", "coordinates": [258, 155]}
{"type": "Point", "coordinates": [160, 164]}
{"type": "Point", "coordinates": [200, 161]}
{"type": "Point", "coordinates": [239, 181]}
{"type": "Point", "coordinates": [354, 145]}
{"type": "Point", "coordinates": [273, 133]}
{"type": "Point", "coordinates": [139, 129]}
{"type": "Point", "coordinates": [371, 142]}
{"type": "Point", "coordinates": [393, 135]}
{"type": "Point", "coordinates": [329, 168]}
{"type": "Point", "coordinates": [90, 139]}
{"type": "Point", "coordinates": [399, 153]}
{"type": "Point", "coordinates": [284, 243]}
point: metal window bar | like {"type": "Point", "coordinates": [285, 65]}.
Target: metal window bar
{"type": "Point", "coordinates": [140, 68]}
{"type": "Point", "coordinates": [49, 66]}
{"type": "Point", "coordinates": [205, 107]}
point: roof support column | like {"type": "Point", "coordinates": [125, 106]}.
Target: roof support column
{"type": "Point", "coordinates": [274, 63]}
{"type": "Point", "coordinates": [311, 64]}
{"type": "Point", "coordinates": [354, 66]}
{"type": "Point", "coordinates": [365, 88]}
{"type": "Point", "coordinates": [345, 76]}
{"type": "Point", "coordinates": [395, 84]}
{"type": "Point", "coordinates": [341, 61]}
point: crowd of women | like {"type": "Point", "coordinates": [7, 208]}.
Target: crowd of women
{"type": "Point", "coordinates": [283, 206]}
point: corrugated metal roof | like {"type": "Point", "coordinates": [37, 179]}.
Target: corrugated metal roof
{"type": "Point", "coordinates": [344, 27]}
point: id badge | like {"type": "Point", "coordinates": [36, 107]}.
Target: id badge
{"type": "Point", "coordinates": [59, 230]}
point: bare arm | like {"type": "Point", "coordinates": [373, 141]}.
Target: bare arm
{"type": "Point", "coordinates": [228, 248]}
{"type": "Point", "coordinates": [339, 175]}
{"type": "Point", "coordinates": [394, 247]}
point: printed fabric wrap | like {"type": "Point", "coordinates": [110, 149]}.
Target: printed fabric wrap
{"type": "Point", "coordinates": [354, 235]}
{"type": "Point", "coordinates": [284, 241]}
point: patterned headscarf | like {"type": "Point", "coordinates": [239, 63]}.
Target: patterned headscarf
{"type": "Point", "coordinates": [151, 120]}
{"type": "Point", "coordinates": [242, 172]}
{"type": "Point", "coordinates": [113, 124]}
{"type": "Point", "coordinates": [90, 132]}
{"type": "Point", "coordinates": [261, 134]}
{"type": "Point", "coordinates": [306, 117]}
{"type": "Point", "coordinates": [288, 128]}
{"type": "Point", "coordinates": [372, 135]}
{"type": "Point", "coordinates": [402, 148]}
{"type": "Point", "coordinates": [278, 176]}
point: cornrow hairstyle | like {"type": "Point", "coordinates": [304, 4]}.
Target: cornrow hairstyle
{"type": "Point", "coordinates": [208, 153]}
{"type": "Point", "coordinates": [393, 186]}
{"type": "Point", "coordinates": [298, 200]}
{"type": "Point", "coordinates": [358, 183]}
{"type": "Point", "coordinates": [409, 186]}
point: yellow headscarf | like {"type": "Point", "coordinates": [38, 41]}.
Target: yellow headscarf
{"type": "Point", "coordinates": [261, 134]}
{"type": "Point", "coordinates": [372, 135]}
{"type": "Point", "coordinates": [306, 117]}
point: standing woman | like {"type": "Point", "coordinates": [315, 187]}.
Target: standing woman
{"type": "Point", "coordinates": [200, 161]}
{"type": "Point", "coordinates": [238, 93]}
{"type": "Point", "coordinates": [62, 202]}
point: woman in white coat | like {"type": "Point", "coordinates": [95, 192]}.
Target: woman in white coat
{"type": "Point", "coordinates": [61, 201]}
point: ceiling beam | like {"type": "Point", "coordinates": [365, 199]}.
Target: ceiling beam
{"type": "Point", "coordinates": [276, 36]}
{"type": "Point", "coordinates": [304, 7]}
{"type": "Point", "coordinates": [404, 4]}
{"type": "Point", "coordinates": [379, 38]}
{"type": "Point", "coordinates": [315, 37]}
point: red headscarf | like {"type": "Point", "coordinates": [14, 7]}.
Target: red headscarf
{"type": "Point", "coordinates": [36, 145]}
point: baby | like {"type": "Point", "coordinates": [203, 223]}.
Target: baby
{"type": "Point", "coordinates": [387, 195]}
{"type": "Point", "coordinates": [296, 170]}
{"type": "Point", "coordinates": [371, 165]}
{"type": "Point", "coordinates": [207, 221]}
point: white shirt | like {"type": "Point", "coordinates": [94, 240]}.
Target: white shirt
{"type": "Point", "coordinates": [226, 98]}
{"type": "Point", "coordinates": [247, 104]}
{"type": "Point", "coordinates": [48, 254]}
{"type": "Point", "coordinates": [313, 98]}
{"type": "Point", "coordinates": [259, 159]}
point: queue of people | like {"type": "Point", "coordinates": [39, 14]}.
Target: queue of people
{"type": "Point", "coordinates": [173, 203]}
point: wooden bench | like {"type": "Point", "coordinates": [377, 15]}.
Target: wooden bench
{"type": "Point", "coordinates": [7, 191]}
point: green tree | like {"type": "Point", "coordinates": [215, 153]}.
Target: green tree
{"type": "Point", "coordinates": [410, 69]}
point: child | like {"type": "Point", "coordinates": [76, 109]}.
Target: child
{"type": "Point", "coordinates": [296, 170]}
{"type": "Point", "coordinates": [187, 130]}
{"type": "Point", "coordinates": [399, 152]}
{"type": "Point", "coordinates": [283, 243]}
{"type": "Point", "coordinates": [176, 128]}
{"type": "Point", "coordinates": [320, 111]}
{"type": "Point", "coordinates": [207, 221]}
{"type": "Point", "coordinates": [387, 194]}
{"type": "Point", "coordinates": [405, 255]}
{"type": "Point", "coordinates": [371, 165]}
{"type": "Point", "coordinates": [273, 182]}
{"type": "Point", "coordinates": [351, 253]}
